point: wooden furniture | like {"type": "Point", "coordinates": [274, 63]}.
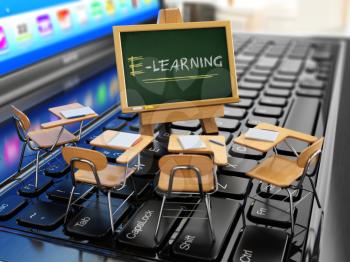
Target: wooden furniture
{"type": "Point", "coordinates": [205, 111]}
{"type": "Point", "coordinates": [219, 152]}
{"type": "Point", "coordinates": [284, 133]}
{"type": "Point", "coordinates": [65, 121]}
{"type": "Point", "coordinates": [39, 140]}
{"type": "Point", "coordinates": [93, 168]}
{"type": "Point", "coordinates": [130, 153]}
{"type": "Point", "coordinates": [282, 172]}
{"type": "Point", "coordinates": [187, 174]}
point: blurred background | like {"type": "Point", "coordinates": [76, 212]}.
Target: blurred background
{"type": "Point", "coordinates": [328, 17]}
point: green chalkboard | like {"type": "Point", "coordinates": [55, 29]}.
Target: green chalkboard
{"type": "Point", "coordinates": [176, 67]}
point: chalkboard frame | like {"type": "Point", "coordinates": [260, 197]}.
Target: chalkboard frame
{"type": "Point", "coordinates": [117, 30]}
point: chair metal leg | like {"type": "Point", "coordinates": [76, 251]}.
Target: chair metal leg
{"type": "Point", "coordinates": [159, 218]}
{"type": "Point", "coordinates": [291, 211]}
{"type": "Point", "coordinates": [110, 210]}
{"type": "Point", "coordinates": [22, 157]}
{"type": "Point", "coordinates": [207, 203]}
{"type": "Point", "coordinates": [315, 192]}
{"type": "Point", "coordinates": [69, 203]}
{"type": "Point", "coordinates": [37, 169]}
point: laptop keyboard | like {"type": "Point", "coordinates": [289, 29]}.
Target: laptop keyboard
{"type": "Point", "coordinates": [283, 81]}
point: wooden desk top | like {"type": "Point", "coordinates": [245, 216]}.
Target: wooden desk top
{"type": "Point", "coordinates": [129, 153]}
{"type": "Point", "coordinates": [284, 133]}
{"type": "Point", "coordinates": [64, 121]}
{"type": "Point", "coordinates": [219, 152]}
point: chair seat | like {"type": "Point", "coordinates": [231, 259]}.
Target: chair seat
{"type": "Point", "coordinates": [46, 138]}
{"type": "Point", "coordinates": [277, 170]}
{"type": "Point", "coordinates": [186, 181]}
{"type": "Point", "coordinates": [111, 176]}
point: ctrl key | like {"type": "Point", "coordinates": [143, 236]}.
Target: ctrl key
{"type": "Point", "coordinates": [260, 244]}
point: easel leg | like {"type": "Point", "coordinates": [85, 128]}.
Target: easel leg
{"type": "Point", "coordinates": [147, 130]}
{"type": "Point", "coordinates": [209, 126]}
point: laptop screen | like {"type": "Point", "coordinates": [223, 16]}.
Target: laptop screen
{"type": "Point", "coordinates": [31, 31]}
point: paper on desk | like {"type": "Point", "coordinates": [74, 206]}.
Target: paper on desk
{"type": "Point", "coordinates": [77, 112]}
{"type": "Point", "coordinates": [261, 134]}
{"type": "Point", "coordinates": [123, 139]}
{"type": "Point", "coordinates": [191, 142]}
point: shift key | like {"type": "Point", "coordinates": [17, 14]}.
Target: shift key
{"type": "Point", "coordinates": [302, 118]}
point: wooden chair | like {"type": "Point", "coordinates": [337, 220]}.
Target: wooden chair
{"type": "Point", "coordinates": [282, 172]}
{"type": "Point", "coordinates": [184, 175]}
{"type": "Point", "coordinates": [91, 167]}
{"type": "Point", "coordinates": [39, 140]}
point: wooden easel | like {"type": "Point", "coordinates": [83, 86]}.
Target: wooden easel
{"type": "Point", "coordinates": [206, 114]}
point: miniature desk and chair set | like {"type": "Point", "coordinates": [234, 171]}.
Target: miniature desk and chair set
{"type": "Point", "coordinates": [185, 170]}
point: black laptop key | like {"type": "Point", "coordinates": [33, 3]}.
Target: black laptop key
{"type": "Point", "coordinates": [57, 169]}
{"type": "Point", "coordinates": [127, 116]}
{"type": "Point", "coordinates": [311, 82]}
{"type": "Point", "coordinates": [228, 136]}
{"type": "Point", "coordinates": [245, 152]}
{"type": "Point", "coordinates": [276, 51]}
{"type": "Point", "coordinates": [322, 55]}
{"type": "Point", "coordinates": [268, 111]}
{"type": "Point", "coordinates": [281, 84]}
{"type": "Point", "coordinates": [277, 92]}
{"type": "Point", "coordinates": [255, 79]}
{"type": "Point", "coordinates": [43, 215]}
{"type": "Point", "coordinates": [266, 62]}
{"type": "Point", "coordinates": [93, 220]}
{"type": "Point", "coordinates": [243, 103]}
{"type": "Point", "coordinates": [246, 84]}
{"type": "Point", "coordinates": [233, 186]}
{"type": "Point", "coordinates": [236, 113]}
{"type": "Point", "coordinates": [238, 166]}
{"type": "Point", "coordinates": [302, 117]}
{"type": "Point", "coordinates": [140, 229]}
{"type": "Point", "coordinates": [270, 212]}
{"type": "Point", "coordinates": [290, 66]}
{"type": "Point", "coordinates": [322, 76]}
{"type": "Point", "coordinates": [252, 94]}
{"type": "Point", "coordinates": [261, 244]}
{"type": "Point", "coordinates": [115, 124]}
{"type": "Point", "coordinates": [273, 101]}
{"type": "Point", "coordinates": [309, 92]}
{"type": "Point", "coordinates": [192, 125]}
{"type": "Point", "coordinates": [61, 190]}
{"type": "Point", "coordinates": [285, 78]}
{"type": "Point", "coordinates": [195, 240]}
{"type": "Point", "coordinates": [253, 121]}
{"type": "Point", "coordinates": [225, 124]}
{"type": "Point", "coordinates": [244, 59]}
{"type": "Point", "coordinates": [10, 205]}
{"type": "Point", "coordinates": [259, 72]}
{"type": "Point", "coordinates": [28, 187]}
{"type": "Point", "coordinates": [299, 51]}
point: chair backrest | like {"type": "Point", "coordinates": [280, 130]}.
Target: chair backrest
{"type": "Point", "coordinates": [95, 157]}
{"type": "Point", "coordinates": [203, 163]}
{"type": "Point", "coordinates": [309, 151]}
{"type": "Point", "coordinates": [21, 117]}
